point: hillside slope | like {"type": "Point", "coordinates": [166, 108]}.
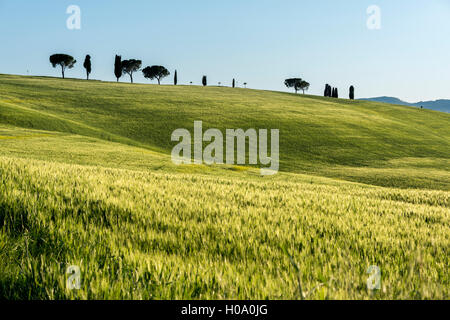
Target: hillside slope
{"type": "Point", "coordinates": [86, 180]}
{"type": "Point", "coordinates": [358, 141]}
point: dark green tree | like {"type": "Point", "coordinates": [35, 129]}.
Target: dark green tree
{"type": "Point", "coordinates": [205, 81]}
{"type": "Point", "coordinates": [234, 83]}
{"type": "Point", "coordinates": [88, 66]}
{"type": "Point", "coordinates": [328, 91]}
{"type": "Point", "coordinates": [64, 61]}
{"type": "Point", "coordinates": [175, 78]}
{"type": "Point", "coordinates": [304, 86]}
{"type": "Point", "coordinates": [293, 83]}
{"type": "Point", "coordinates": [118, 71]}
{"type": "Point", "coordinates": [335, 93]}
{"type": "Point", "coordinates": [155, 72]}
{"type": "Point", "coordinates": [352, 93]}
{"type": "Point", "coordinates": [131, 66]}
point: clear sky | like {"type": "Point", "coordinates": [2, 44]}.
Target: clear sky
{"type": "Point", "coordinates": [261, 42]}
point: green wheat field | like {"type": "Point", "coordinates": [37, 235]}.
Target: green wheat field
{"type": "Point", "coordinates": [86, 179]}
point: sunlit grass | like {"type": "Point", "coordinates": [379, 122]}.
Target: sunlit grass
{"type": "Point", "coordinates": [164, 236]}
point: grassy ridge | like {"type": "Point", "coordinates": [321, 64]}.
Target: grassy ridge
{"type": "Point", "coordinates": [353, 140]}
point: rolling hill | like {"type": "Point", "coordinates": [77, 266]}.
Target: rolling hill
{"type": "Point", "coordinates": [86, 179]}
{"type": "Point", "coordinates": [358, 141]}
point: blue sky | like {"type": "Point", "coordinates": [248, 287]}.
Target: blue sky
{"type": "Point", "coordinates": [261, 42]}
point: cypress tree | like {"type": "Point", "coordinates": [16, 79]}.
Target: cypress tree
{"type": "Point", "coordinates": [118, 67]}
{"type": "Point", "coordinates": [205, 81]}
{"type": "Point", "coordinates": [88, 66]}
{"type": "Point", "coordinates": [352, 93]}
{"type": "Point", "coordinates": [175, 78]}
{"type": "Point", "coordinates": [234, 83]}
{"type": "Point", "coordinates": [328, 91]}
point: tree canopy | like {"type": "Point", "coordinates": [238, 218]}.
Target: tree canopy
{"type": "Point", "coordinates": [64, 61]}
{"type": "Point", "coordinates": [297, 84]}
{"type": "Point", "coordinates": [155, 72]}
{"type": "Point", "coordinates": [131, 66]}
{"type": "Point", "coordinates": [304, 86]}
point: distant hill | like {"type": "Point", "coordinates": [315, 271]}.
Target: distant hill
{"type": "Point", "coordinates": [438, 105]}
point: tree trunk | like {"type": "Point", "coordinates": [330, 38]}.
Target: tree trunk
{"type": "Point", "coordinates": [159, 82]}
{"type": "Point", "coordinates": [62, 70]}
{"type": "Point", "coordinates": [87, 73]}
{"type": "Point", "coordinates": [131, 76]}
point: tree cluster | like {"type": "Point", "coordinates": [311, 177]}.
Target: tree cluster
{"type": "Point", "coordinates": [157, 72]}
{"type": "Point", "coordinates": [121, 67]}
{"type": "Point", "coordinates": [131, 66]}
{"type": "Point", "coordinates": [331, 92]}
{"type": "Point", "coordinates": [297, 84]}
